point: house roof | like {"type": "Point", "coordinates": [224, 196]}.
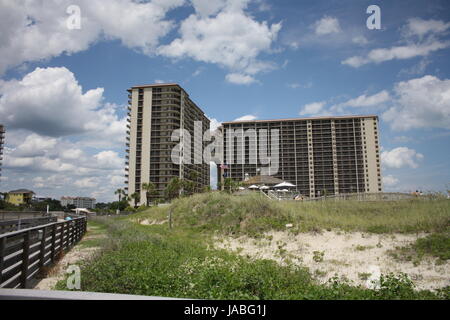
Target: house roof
{"type": "Point", "coordinates": [21, 191]}
{"type": "Point", "coordinates": [261, 179]}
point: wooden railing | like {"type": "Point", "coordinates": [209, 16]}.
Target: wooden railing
{"type": "Point", "coordinates": [16, 225]}
{"type": "Point", "coordinates": [24, 253]}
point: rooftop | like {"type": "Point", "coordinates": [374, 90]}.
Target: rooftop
{"type": "Point", "coordinates": [297, 119]}
{"type": "Point", "coordinates": [155, 85]}
{"type": "Point", "coordinates": [261, 179]}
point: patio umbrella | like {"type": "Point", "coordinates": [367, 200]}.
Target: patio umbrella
{"type": "Point", "coordinates": [284, 184]}
{"type": "Point", "coordinates": [263, 188]}
{"type": "Point", "coordinates": [253, 187]}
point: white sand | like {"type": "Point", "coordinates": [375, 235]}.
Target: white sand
{"type": "Point", "coordinates": [73, 257]}
{"type": "Point", "coordinates": [341, 256]}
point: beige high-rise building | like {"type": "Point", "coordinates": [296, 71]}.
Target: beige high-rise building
{"type": "Point", "coordinates": [320, 156]}
{"type": "Point", "coordinates": [155, 111]}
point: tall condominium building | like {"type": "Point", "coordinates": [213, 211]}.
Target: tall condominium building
{"type": "Point", "coordinates": [2, 137]}
{"type": "Point", "coordinates": [322, 155]}
{"type": "Point", "coordinates": [155, 111]}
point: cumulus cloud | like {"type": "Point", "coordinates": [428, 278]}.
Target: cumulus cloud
{"type": "Point", "coordinates": [58, 167]}
{"type": "Point", "coordinates": [420, 103]}
{"type": "Point", "coordinates": [327, 25]}
{"type": "Point", "coordinates": [401, 157]}
{"type": "Point", "coordinates": [27, 25]}
{"type": "Point", "coordinates": [230, 38]}
{"type": "Point", "coordinates": [51, 102]}
{"type": "Point", "coordinates": [60, 139]}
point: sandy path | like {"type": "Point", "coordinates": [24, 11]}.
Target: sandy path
{"type": "Point", "coordinates": [359, 257]}
{"type": "Point", "coordinates": [73, 257]}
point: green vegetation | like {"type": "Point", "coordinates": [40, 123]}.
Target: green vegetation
{"type": "Point", "coordinates": [152, 260]}
{"type": "Point", "coordinates": [180, 262]}
{"type": "Point", "coordinates": [435, 245]}
{"type": "Point", "coordinates": [255, 214]}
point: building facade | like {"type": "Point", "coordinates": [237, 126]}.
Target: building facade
{"type": "Point", "coordinates": [78, 202]}
{"type": "Point", "coordinates": [154, 112]}
{"type": "Point", "coordinates": [2, 141]}
{"type": "Point", "coordinates": [19, 197]}
{"type": "Point", "coordinates": [320, 156]}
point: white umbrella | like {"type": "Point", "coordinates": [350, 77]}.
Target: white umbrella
{"type": "Point", "coordinates": [263, 188]}
{"type": "Point", "coordinates": [284, 184]}
{"type": "Point", "coordinates": [253, 187]}
{"type": "Point", "coordinates": [241, 188]}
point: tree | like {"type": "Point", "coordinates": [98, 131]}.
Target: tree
{"type": "Point", "coordinates": [230, 185]}
{"type": "Point", "coordinates": [150, 190]}
{"type": "Point", "coordinates": [136, 198]}
{"type": "Point", "coordinates": [173, 188]}
{"type": "Point", "coordinates": [120, 193]}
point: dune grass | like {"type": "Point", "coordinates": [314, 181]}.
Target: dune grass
{"type": "Point", "coordinates": [255, 214]}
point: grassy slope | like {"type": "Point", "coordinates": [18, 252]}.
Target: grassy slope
{"type": "Point", "coordinates": [255, 214]}
{"type": "Point", "coordinates": [152, 260]}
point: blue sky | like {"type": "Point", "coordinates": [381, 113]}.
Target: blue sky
{"type": "Point", "coordinates": [63, 91]}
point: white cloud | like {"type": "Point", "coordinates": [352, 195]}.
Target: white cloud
{"type": "Point", "coordinates": [58, 136]}
{"type": "Point", "coordinates": [207, 8]}
{"type": "Point", "coordinates": [312, 108]}
{"type": "Point", "coordinates": [396, 53]}
{"type": "Point", "coordinates": [231, 39]}
{"type": "Point", "coordinates": [86, 183]}
{"type": "Point", "coordinates": [420, 28]}
{"type": "Point", "coordinates": [364, 101]}
{"type": "Point", "coordinates": [248, 117]}
{"type": "Point", "coordinates": [27, 25]}
{"type": "Point", "coordinates": [361, 40]}
{"type": "Point", "coordinates": [109, 160]}
{"type": "Point", "coordinates": [401, 157]}
{"type": "Point", "coordinates": [51, 102]}
{"type": "Point", "coordinates": [213, 124]}
{"type": "Point", "coordinates": [389, 181]}
{"type": "Point", "coordinates": [35, 145]}
{"type": "Point", "coordinates": [417, 45]}
{"type": "Point", "coordinates": [327, 25]}
{"type": "Point", "coordinates": [420, 103]}
{"type": "Point", "coordinates": [238, 78]}
{"type": "Point", "coordinates": [61, 168]}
